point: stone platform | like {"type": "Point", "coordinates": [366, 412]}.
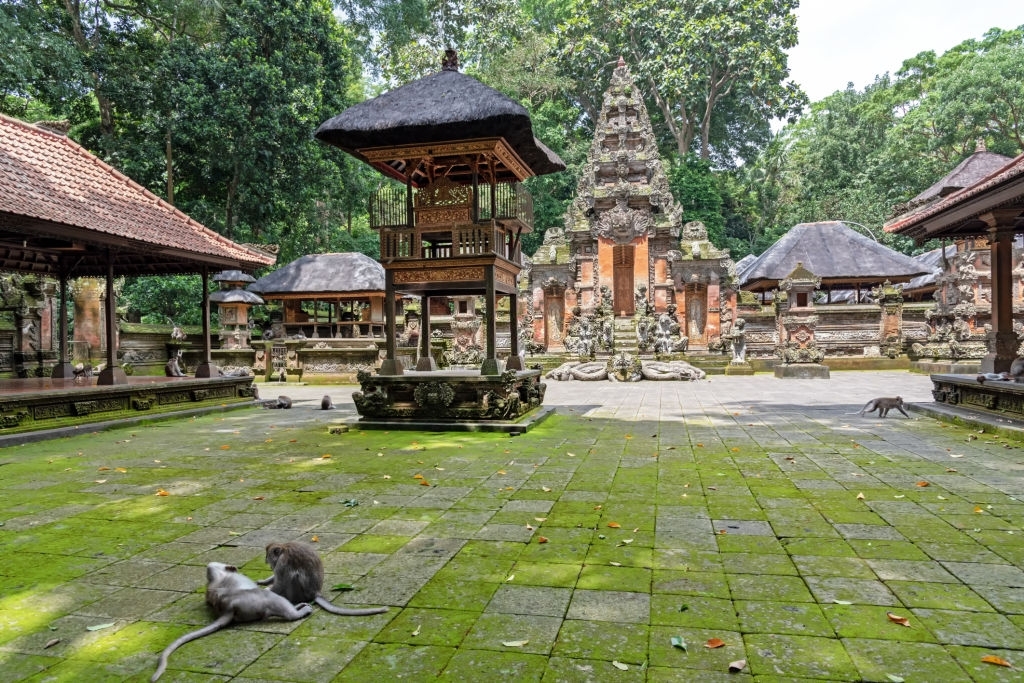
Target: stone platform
{"type": "Point", "coordinates": [451, 400]}
{"type": "Point", "coordinates": [28, 405]}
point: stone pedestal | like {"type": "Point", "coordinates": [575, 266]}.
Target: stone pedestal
{"type": "Point", "coordinates": [801, 371]}
{"type": "Point", "coordinates": [739, 368]}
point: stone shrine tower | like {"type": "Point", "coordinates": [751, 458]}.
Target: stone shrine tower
{"type": "Point", "coordinates": [624, 235]}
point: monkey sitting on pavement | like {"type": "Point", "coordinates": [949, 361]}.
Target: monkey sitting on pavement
{"type": "Point", "coordinates": [299, 577]}
{"type": "Point", "coordinates": [883, 406]}
{"type": "Point", "coordinates": [326, 403]}
{"type": "Point", "coordinates": [234, 597]}
{"type": "Point", "coordinates": [281, 402]}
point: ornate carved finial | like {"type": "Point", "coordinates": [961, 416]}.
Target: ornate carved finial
{"type": "Point", "coordinates": [979, 146]}
{"type": "Point", "coordinates": [450, 61]}
{"type": "Point", "coordinates": [622, 62]}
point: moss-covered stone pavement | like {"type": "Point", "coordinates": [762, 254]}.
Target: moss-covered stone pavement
{"type": "Point", "coordinates": [616, 541]}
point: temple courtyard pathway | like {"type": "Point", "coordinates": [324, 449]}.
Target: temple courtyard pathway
{"type": "Point", "coordinates": [649, 531]}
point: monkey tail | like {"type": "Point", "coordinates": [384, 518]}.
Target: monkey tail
{"type": "Point", "coordinates": [222, 621]}
{"type": "Point", "coordinates": [322, 601]}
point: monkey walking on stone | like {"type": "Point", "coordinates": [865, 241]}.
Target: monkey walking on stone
{"type": "Point", "coordinates": [883, 406]}
{"type": "Point", "coordinates": [299, 577]}
{"type": "Point", "coordinates": [234, 597]}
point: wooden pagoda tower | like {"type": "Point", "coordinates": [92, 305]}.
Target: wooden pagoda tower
{"type": "Point", "coordinates": [460, 150]}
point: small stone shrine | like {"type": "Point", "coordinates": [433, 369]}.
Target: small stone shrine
{"type": "Point", "coordinates": [624, 249]}
{"type": "Point", "coordinates": [801, 358]}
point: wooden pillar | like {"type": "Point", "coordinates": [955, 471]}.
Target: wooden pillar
{"type": "Point", "coordinates": [112, 373]}
{"type": "Point", "coordinates": [206, 368]}
{"type": "Point", "coordinates": [1002, 344]}
{"type": "Point", "coordinates": [426, 362]}
{"type": "Point", "coordinates": [391, 365]}
{"type": "Point", "coordinates": [63, 369]}
{"type": "Point", "coordinates": [514, 361]}
{"type": "Point", "coordinates": [490, 364]}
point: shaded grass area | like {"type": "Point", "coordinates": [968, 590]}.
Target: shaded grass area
{"type": "Point", "coordinates": [576, 552]}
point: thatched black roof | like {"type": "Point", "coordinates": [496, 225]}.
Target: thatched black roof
{"type": "Point", "coordinates": [969, 171]}
{"type": "Point", "coordinates": [442, 107]}
{"type": "Point", "coordinates": [832, 251]}
{"type": "Point", "coordinates": [323, 274]}
{"type": "Point", "coordinates": [235, 296]}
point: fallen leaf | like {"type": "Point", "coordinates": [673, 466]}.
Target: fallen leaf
{"type": "Point", "coordinates": [424, 482]}
{"type": "Point", "coordinates": [950, 469]}
{"type": "Point", "coordinates": [257, 497]}
{"type": "Point", "coordinates": [899, 496]}
{"type": "Point", "coordinates": [325, 456]}
{"type": "Point", "coordinates": [514, 643]}
{"type": "Point", "coordinates": [545, 489]}
{"type": "Point", "coordinates": [626, 541]}
{"type": "Point", "coordinates": [677, 641]}
{"type": "Point", "coordinates": [722, 531]}
{"type": "Point", "coordinates": [737, 666]}
{"type": "Point", "coordinates": [225, 447]}
{"type": "Point", "coordinates": [387, 476]}
{"type": "Point", "coordinates": [102, 469]}
{"type": "Point", "coordinates": [998, 661]}
{"type": "Point", "coordinates": [417, 476]}
{"type": "Point", "coordinates": [897, 619]}
{"type": "Point", "coordinates": [343, 587]}
{"type": "Point", "coordinates": [571, 455]}
{"type": "Point", "coordinates": [99, 627]}
{"type": "Point", "coordinates": [894, 678]}
{"type": "Point", "coordinates": [542, 539]}
{"type": "Point", "coordinates": [978, 510]}
{"type": "Point", "coordinates": [615, 564]}
{"type": "Point", "coordinates": [161, 492]}
{"type": "Point", "coordinates": [315, 539]}
{"type": "Point", "coordinates": [598, 507]}
{"type": "Point", "coordinates": [620, 666]}
{"type": "Point", "coordinates": [700, 445]}
{"type": "Point", "coordinates": [540, 519]}
{"type": "Point", "coordinates": [529, 527]}
{"type": "Point", "coordinates": [501, 472]}
{"type": "Point", "coordinates": [922, 484]}
{"type": "Point", "coordinates": [417, 631]}
{"type": "Point", "coordinates": [614, 525]}
{"type": "Point", "coordinates": [956, 455]}
{"type": "Point", "coordinates": [735, 450]}
{"type": "Point", "coordinates": [99, 481]}
{"type": "Point", "coordinates": [842, 602]}
{"type": "Point", "coordinates": [510, 577]}
{"type": "Point", "coordinates": [51, 643]}
{"type": "Point", "coordinates": [714, 643]}
{"type": "Point", "coordinates": [120, 469]}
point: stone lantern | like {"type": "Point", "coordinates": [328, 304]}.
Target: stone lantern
{"type": "Point", "coordinates": [233, 304]}
{"type": "Point", "coordinates": [794, 309]}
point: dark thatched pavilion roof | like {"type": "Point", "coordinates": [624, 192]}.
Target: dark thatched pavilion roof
{"type": "Point", "coordinates": [322, 276]}
{"type": "Point", "coordinates": [443, 107]}
{"type": "Point", "coordinates": [63, 210]}
{"type": "Point", "coordinates": [832, 251]}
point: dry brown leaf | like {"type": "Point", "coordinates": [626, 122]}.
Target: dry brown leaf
{"type": "Point", "coordinates": [700, 445]}
{"type": "Point", "coordinates": [998, 661]}
{"type": "Point", "coordinates": [542, 539]}
{"type": "Point", "coordinates": [103, 469]}
{"type": "Point", "coordinates": [714, 643]}
{"type": "Point", "coordinates": [978, 510]}
{"type": "Point", "coordinates": [417, 476]}
{"type": "Point", "coordinates": [737, 666]}
{"type": "Point", "coordinates": [225, 447]}
{"type": "Point", "coordinates": [545, 489]}
{"type": "Point", "coordinates": [161, 492]}
{"type": "Point", "coordinates": [99, 481]}
{"type": "Point", "coordinates": [614, 525]}
{"type": "Point", "coordinates": [424, 482]}
{"type": "Point", "coordinates": [325, 456]}
{"type": "Point", "coordinates": [922, 484]}
{"type": "Point", "coordinates": [257, 497]}
{"type": "Point", "coordinates": [860, 496]}
{"type": "Point", "coordinates": [120, 469]}
{"type": "Point", "coordinates": [897, 619]}
{"type": "Point", "coordinates": [315, 539]}
{"type": "Point", "coordinates": [734, 450]}
{"type": "Point", "coordinates": [501, 472]}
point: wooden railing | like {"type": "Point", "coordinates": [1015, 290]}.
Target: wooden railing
{"type": "Point", "coordinates": [512, 202]}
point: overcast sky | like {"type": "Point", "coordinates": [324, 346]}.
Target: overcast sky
{"type": "Point", "coordinates": [853, 40]}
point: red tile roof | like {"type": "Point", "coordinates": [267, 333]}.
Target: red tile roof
{"type": "Point", "coordinates": [1010, 173]}
{"type": "Point", "coordinates": [49, 185]}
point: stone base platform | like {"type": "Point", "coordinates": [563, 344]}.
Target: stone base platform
{"type": "Point", "coordinates": [28, 405]}
{"type": "Point", "coordinates": [802, 371]}
{"type": "Point", "coordinates": [742, 368]}
{"type": "Point", "coordinates": [450, 400]}
{"type": "Point", "coordinates": [992, 398]}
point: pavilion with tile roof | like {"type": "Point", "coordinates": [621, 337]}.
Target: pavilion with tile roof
{"type": "Point", "coordinates": [65, 213]}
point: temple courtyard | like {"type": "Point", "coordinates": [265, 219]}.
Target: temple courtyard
{"type": "Point", "coordinates": [657, 531]}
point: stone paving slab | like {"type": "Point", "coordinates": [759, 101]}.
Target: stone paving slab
{"type": "Point", "coordinates": [759, 513]}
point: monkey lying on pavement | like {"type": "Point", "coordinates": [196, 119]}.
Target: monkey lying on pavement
{"type": "Point", "coordinates": [299, 577]}
{"type": "Point", "coordinates": [234, 597]}
{"type": "Point", "coordinates": [883, 406]}
{"type": "Point", "coordinates": [281, 402]}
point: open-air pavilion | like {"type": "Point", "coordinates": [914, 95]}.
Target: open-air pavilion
{"type": "Point", "coordinates": [992, 210]}
{"type": "Point", "coordinates": [65, 214]}
{"type": "Point", "coordinates": [843, 259]}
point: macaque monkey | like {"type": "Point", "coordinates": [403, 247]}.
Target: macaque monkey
{"type": "Point", "coordinates": [282, 402]}
{"type": "Point", "coordinates": [173, 366]}
{"type": "Point", "coordinates": [1015, 374]}
{"type": "Point", "coordinates": [883, 406]}
{"type": "Point", "coordinates": [326, 403]}
{"type": "Point", "coordinates": [234, 597]}
{"type": "Point", "coordinates": [299, 577]}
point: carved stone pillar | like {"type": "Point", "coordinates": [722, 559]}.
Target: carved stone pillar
{"type": "Point", "coordinates": [554, 315]}
{"type": "Point", "coordinates": [801, 358]}
{"type": "Point", "coordinates": [890, 333]}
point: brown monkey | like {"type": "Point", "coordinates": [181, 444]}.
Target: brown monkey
{"type": "Point", "coordinates": [299, 577]}
{"type": "Point", "coordinates": [326, 403]}
{"type": "Point", "coordinates": [234, 597]}
{"type": "Point", "coordinates": [883, 406]}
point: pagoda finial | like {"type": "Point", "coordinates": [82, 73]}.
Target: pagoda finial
{"type": "Point", "coordinates": [450, 61]}
{"type": "Point", "coordinates": [979, 146]}
{"type": "Point", "coordinates": [622, 62]}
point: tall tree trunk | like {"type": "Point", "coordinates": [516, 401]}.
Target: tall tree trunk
{"type": "Point", "coordinates": [74, 9]}
{"type": "Point", "coordinates": [229, 215]}
{"type": "Point", "coordinates": [169, 160]}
